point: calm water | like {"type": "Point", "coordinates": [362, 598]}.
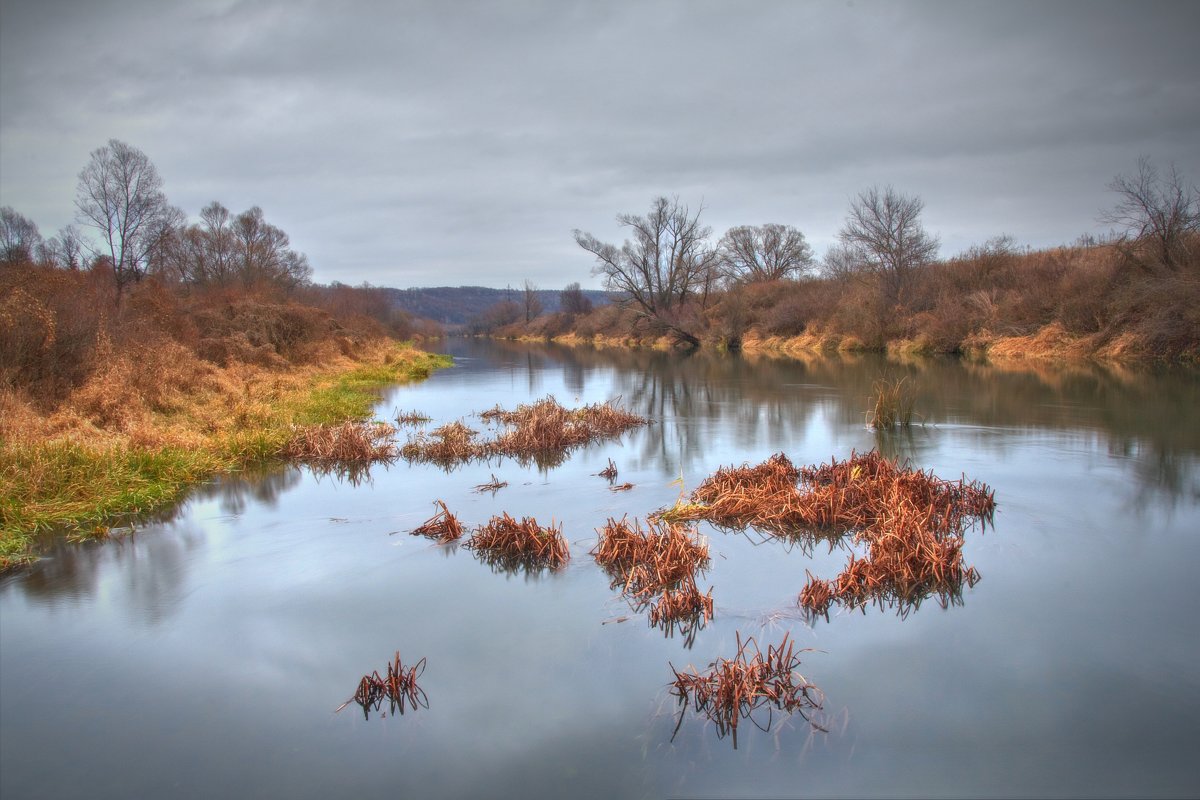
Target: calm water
{"type": "Point", "coordinates": [204, 656]}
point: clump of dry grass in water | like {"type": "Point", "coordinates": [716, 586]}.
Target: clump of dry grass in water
{"type": "Point", "coordinates": [412, 418]}
{"type": "Point", "coordinates": [545, 426]}
{"type": "Point", "coordinates": [609, 473]}
{"type": "Point", "coordinates": [621, 487]}
{"type": "Point", "coordinates": [912, 522]}
{"type": "Point", "coordinates": [892, 403]}
{"type": "Point", "coordinates": [493, 486]}
{"type": "Point", "coordinates": [742, 687]}
{"type": "Point", "coordinates": [514, 545]}
{"type": "Point", "coordinates": [449, 444]}
{"type": "Point", "coordinates": [348, 442]}
{"type": "Point", "coordinates": [649, 561]}
{"type": "Point", "coordinates": [443, 526]}
{"type": "Point", "coordinates": [399, 687]}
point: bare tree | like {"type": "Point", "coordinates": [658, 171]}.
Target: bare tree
{"type": "Point", "coordinates": [19, 237]}
{"type": "Point", "coordinates": [531, 302]}
{"type": "Point", "coordinates": [667, 263]}
{"type": "Point", "coordinates": [1159, 210]}
{"type": "Point", "coordinates": [263, 254]}
{"type": "Point", "coordinates": [884, 238]}
{"type": "Point", "coordinates": [771, 252]}
{"type": "Point", "coordinates": [572, 300]}
{"type": "Point", "coordinates": [66, 249]}
{"type": "Point", "coordinates": [120, 195]}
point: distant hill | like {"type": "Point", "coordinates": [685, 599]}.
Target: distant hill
{"type": "Point", "coordinates": [457, 305]}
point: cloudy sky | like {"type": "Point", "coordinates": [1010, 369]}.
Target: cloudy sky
{"type": "Point", "coordinates": [447, 143]}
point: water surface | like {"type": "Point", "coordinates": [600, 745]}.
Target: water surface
{"type": "Point", "coordinates": [204, 655]}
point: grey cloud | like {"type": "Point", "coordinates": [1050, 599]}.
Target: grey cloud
{"type": "Point", "coordinates": [413, 143]}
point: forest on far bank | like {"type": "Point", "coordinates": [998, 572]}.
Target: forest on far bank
{"type": "Point", "coordinates": [1134, 295]}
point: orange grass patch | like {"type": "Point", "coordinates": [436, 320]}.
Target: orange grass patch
{"type": "Point", "coordinates": [742, 687]}
{"type": "Point", "coordinates": [911, 521]}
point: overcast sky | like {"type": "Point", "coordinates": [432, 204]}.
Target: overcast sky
{"type": "Point", "coordinates": [449, 143]}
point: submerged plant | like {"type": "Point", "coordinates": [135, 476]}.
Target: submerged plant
{"type": "Point", "coordinates": [442, 526]}
{"type": "Point", "coordinates": [746, 686]}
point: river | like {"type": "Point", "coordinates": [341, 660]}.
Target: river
{"type": "Point", "coordinates": [205, 653]}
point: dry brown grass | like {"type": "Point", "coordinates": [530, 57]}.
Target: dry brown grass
{"type": "Point", "coordinates": [442, 526]}
{"type": "Point", "coordinates": [652, 560]}
{"type": "Point", "coordinates": [399, 687]}
{"type": "Point", "coordinates": [911, 522]}
{"type": "Point", "coordinates": [493, 486]}
{"type": "Point", "coordinates": [348, 442]}
{"type": "Point", "coordinates": [544, 431]}
{"type": "Point", "coordinates": [738, 688]}
{"type": "Point", "coordinates": [523, 545]}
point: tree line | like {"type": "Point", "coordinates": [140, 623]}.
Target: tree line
{"type": "Point", "coordinates": [138, 232]}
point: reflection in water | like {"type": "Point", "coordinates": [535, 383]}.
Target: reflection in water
{"type": "Point", "coordinates": [399, 688]}
{"type": "Point", "coordinates": [1148, 415]}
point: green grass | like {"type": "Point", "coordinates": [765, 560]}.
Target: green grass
{"type": "Point", "coordinates": [59, 484]}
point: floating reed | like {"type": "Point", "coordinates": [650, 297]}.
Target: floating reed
{"type": "Point", "coordinates": [543, 430]}
{"type": "Point", "coordinates": [511, 544]}
{"type": "Point", "coordinates": [349, 442]}
{"type": "Point", "coordinates": [412, 418]}
{"type": "Point", "coordinates": [609, 473]}
{"type": "Point", "coordinates": [650, 561]}
{"type": "Point", "coordinates": [442, 526]}
{"type": "Point", "coordinates": [891, 405]}
{"type": "Point", "coordinates": [621, 487]}
{"type": "Point", "coordinates": [399, 687]}
{"type": "Point", "coordinates": [912, 521]}
{"type": "Point", "coordinates": [733, 689]}
{"type": "Point", "coordinates": [493, 486]}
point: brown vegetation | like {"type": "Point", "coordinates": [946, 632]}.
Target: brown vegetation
{"type": "Point", "coordinates": [911, 521]}
{"type": "Point", "coordinates": [543, 430]}
{"type": "Point", "coordinates": [348, 442]}
{"type": "Point", "coordinates": [442, 526]}
{"type": "Point", "coordinates": [733, 689]}
{"type": "Point", "coordinates": [399, 687]}
{"type": "Point", "coordinates": [524, 545]}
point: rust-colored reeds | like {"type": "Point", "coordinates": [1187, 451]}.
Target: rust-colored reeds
{"type": "Point", "coordinates": [443, 526]}
{"type": "Point", "coordinates": [544, 431]}
{"type": "Point", "coordinates": [891, 404]}
{"type": "Point", "coordinates": [621, 487]}
{"type": "Point", "coordinates": [609, 473]}
{"type": "Point", "coordinates": [412, 418]}
{"type": "Point", "coordinates": [912, 521]}
{"type": "Point", "coordinates": [452, 443]}
{"type": "Point", "coordinates": [399, 687]}
{"type": "Point", "coordinates": [493, 486]}
{"type": "Point", "coordinates": [733, 689]}
{"type": "Point", "coordinates": [349, 442]}
{"type": "Point", "coordinates": [514, 545]}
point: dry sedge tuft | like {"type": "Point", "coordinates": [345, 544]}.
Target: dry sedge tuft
{"type": "Point", "coordinates": [733, 689]}
{"type": "Point", "coordinates": [399, 687]}
{"type": "Point", "coordinates": [892, 404]}
{"type": "Point", "coordinates": [493, 486]}
{"type": "Point", "coordinates": [609, 473]}
{"type": "Point", "coordinates": [514, 545]}
{"type": "Point", "coordinates": [348, 442]}
{"type": "Point", "coordinates": [544, 430]}
{"type": "Point", "coordinates": [442, 526]}
{"type": "Point", "coordinates": [912, 522]}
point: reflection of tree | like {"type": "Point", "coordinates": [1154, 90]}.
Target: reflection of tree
{"type": "Point", "coordinates": [264, 484]}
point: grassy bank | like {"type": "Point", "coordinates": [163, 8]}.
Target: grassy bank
{"type": "Point", "coordinates": [116, 447]}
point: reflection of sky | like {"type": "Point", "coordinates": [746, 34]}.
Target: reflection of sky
{"type": "Point", "coordinates": [206, 655]}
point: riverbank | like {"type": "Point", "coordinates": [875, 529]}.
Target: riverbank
{"type": "Point", "coordinates": [139, 433]}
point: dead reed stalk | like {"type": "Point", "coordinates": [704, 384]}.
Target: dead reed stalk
{"type": "Point", "coordinates": [442, 526]}
{"type": "Point", "coordinates": [508, 543]}
{"type": "Point", "coordinates": [892, 403]}
{"type": "Point", "coordinates": [493, 486]}
{"type": "Point", "coordinates": [399, 687]}
{"type": "Point", "coordinates": [609, 473]}
{"type": "Point", "coordinates": [733, 689]}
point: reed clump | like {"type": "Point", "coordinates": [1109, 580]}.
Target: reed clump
{"type": "Point", "coordinates": [399, 687]}
{"type": "Point", "coordinates": [347, 442]}
{"type": "Point", "coordinates": [743, 687]}
{"type": "Point", "coordinates": [412, 418]}
{"type": "Point", "coordinates": [493, 486]}
{"type": "Point", "coordinates": [649, 561]}
{"type": "Point", "coordinates": [543, 430]}
{"type": "Point", "coordinates": [912, 522]}
{"type": "Point", "coordinates": [443, 526]}
{"type": "Point", "coordinates": [523, 544]}
{"type": "Point", "coordinates": [892, 403]}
